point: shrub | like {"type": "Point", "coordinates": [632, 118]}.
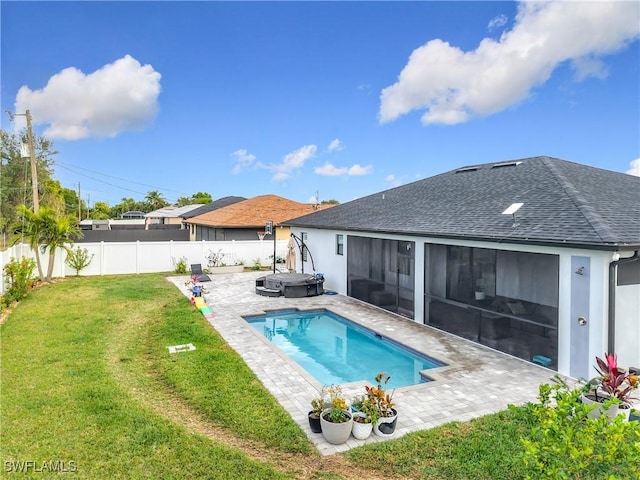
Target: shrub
{"type": "Point", "coordinates": [565, 443]}
{"type": "Point", "coordinates": [19, 277]}
{"type": "Point", "coordinates": [181, 265]}
{"type": "Point", "coordinates": [78, 259]}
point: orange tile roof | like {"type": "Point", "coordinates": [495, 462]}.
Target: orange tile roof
{"type": "Point", "coordinates": [255, 211]}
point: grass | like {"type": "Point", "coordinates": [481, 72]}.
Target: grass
{"type": "Point", "coordinates": [61, 399]}
{"type": "Point", "coordinates": [86, 378]}
{"type": "Point", "coordinates": [485, 448]}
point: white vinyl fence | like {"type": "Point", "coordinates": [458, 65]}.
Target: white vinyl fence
{"type": "Point", "coordinates": [112, 258]}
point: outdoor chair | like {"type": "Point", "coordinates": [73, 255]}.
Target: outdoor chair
{"type": "Point", "coordinates": [196, 272]}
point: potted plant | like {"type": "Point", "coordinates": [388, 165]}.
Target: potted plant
{"type": "Point", "coordinates": [364, 418]}
{"type": "Point", "coordinates": [611, 390]}
{"type": "Point", "coordinates": [336, 420]}
{"type": "Point", "coordinates": [317, 406]}
{"type": "Point", "coordinates": [385, 425]}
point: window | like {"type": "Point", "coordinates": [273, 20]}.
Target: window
{"type": "Point", "coordinates": [339, 244]}
{"type": "Point", "coordinates": [304, 236]}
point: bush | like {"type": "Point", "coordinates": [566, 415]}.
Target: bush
{"type": "Point", "coordinates": [565, 443]}
{"type": "Point", "coordinates": [78, 259]}
{"type": "Point", "coordinates": [19, 277]}
{"type": "Point", "coordinates": [181, 266]}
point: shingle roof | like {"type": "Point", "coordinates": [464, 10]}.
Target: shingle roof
{"type": "Point", "coordinates": [563, 203]}
{"type": "Point", "coordinates": [254, 212]}
{"type": "Point", "coordinates": [220, 203]}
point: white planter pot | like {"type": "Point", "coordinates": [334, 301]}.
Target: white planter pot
{"type": "Point", "coordinates": [386, 426]}
{"type": "Point", "coordinates": [599, 409]}
{"type": "Point", "coordinates": [361, 431]}
{"type": "Point", "coordinates": [336, 433]}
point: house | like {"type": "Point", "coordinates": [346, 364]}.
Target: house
{"type": "Point", "coordinates": [243, 220]}
{"type": "Point", "coordinates": [168, 217]}
{"type": "Point", "coordinates": [209, 207]}
{"type": "Point", "coordinates": [536, 257]}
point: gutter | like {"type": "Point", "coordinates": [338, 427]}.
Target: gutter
{"type": "Point", "coordinates": [612, 297]}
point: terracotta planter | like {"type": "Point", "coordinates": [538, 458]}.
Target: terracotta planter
{"type": "Point", "coordinates": [386, 426]}
{"type": "Point", "coordinates": [361, 431]}
{"type": "Point", "coordinates": [336, 433]}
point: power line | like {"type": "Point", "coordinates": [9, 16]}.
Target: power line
{"type": "Point", "coordinates": [155, 187]}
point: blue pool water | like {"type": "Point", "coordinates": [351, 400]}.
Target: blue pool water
{"type": "Point", "coordinates": [334, 350]}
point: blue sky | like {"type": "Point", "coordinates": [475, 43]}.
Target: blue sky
{"type": "Point", "coordinates": [338, 99]}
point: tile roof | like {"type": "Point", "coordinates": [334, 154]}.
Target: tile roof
{"type": "Point", "coordinates": [221, 202]}
{"type": "Point", "coordinates": [563, 203]}
{"type": "Point", "coordinates": [254, 212]}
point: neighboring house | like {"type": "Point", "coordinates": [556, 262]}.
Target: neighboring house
{"type": "Point", "coordinates": [133, 214]}
{"type": "Point", "coordinates": [168, 217]}
{"type": "Point", "coordinates": [555, 281]}
{"type": "Point", "coordinates": [209, 207]}
{"type": "Point", "coordinates": [243, 220]}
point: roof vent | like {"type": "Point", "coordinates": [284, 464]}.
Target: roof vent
{"type": "Point", "coordinates": [506, 164]}
{"type": "Point", "coordinates": [467, 169]}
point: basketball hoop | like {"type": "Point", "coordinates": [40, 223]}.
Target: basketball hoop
{"type": "Point", "coordinates": [261, 235]}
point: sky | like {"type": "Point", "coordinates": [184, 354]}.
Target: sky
{"type": "Point", "coordinates": [317, 100]}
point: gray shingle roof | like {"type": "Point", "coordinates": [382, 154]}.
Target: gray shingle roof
{"type": "Point", "coordinates": [564, 203]}
{"type": "Point", "coordinates": [216, 204]}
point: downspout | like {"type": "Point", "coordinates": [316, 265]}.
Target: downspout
{"type": "Point", "coordinates": [611, 344]}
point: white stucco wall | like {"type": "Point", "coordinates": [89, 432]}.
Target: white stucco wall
{"type": "Point", "coordinates": [628, 325]}
{"type": "Point", "coordinates": [322, 245]}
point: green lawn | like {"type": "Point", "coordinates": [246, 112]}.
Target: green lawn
{"type": "Point", "coordinates": [87, 381]}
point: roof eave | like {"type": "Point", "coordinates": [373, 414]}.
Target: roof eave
{"type": "Point", "coordinates": [609, 246]}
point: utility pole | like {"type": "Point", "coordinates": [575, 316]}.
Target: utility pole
{"type": "Point", "coordinates": [34, 170]}
{"type": "Point", "coordinates": [79, 205]}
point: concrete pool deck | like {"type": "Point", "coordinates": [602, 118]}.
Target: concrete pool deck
{"type": "Point", "coordinates": [476, 381]}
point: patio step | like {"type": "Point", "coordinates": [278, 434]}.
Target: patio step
{"type": "Point", "coordinates": [268, 292]}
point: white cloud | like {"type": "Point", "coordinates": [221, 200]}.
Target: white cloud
{"type": "Point", "coordinates": [357, 170]}
{"type": "Point", "coordinates": [335, 145]}
{"type": "Point", "coordinates": [635, 167]}
{"type": "Point", "coordinates": [120, 96]}
{"type": "Point", "coordinates": [328, 170]}
{"type": "Point", "coordinates": [498, 21]}
{"type": "Point", "coordinates": [453, 85]}
{"type": "Point", "coordinates": [292, 161]}
{"type": "Point", "coordinates": [392, 180]}
{"type": "Point", "coordinates": [243, 159]}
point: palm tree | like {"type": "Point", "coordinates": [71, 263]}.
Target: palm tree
{"type": "Point", "coordinates": [57, 232]}
{"type": "Point", "coordinates": [156, 200]}
{"type": "Point", "coordinates": [29, 229]}
{"type": "Point", "coordinates": [44, 231]}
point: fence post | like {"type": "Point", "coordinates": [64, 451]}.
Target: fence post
{"type": "Point", "coordinates": [102, 257]}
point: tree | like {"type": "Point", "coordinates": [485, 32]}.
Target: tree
{"type": "Point", "coordinates": [100, 211]}
{"type": "Point", "coordinates": [200, 197]}
{"type": "Point", "coordinates": [15, 176]}
{"type": "Point", "coordinates": [46, 230]}
{"type": "Point", "coordinates": [155, 200]}
{"type": "Point", "coordinates": [57, 231]}
{"type": "Point", "coordinates": [29, 228]}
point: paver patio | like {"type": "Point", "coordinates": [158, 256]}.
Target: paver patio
{"type": "Point", "coordinates": [476, 381]}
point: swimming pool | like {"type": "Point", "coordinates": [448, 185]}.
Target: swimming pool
{"type": "Point", "coordinates": [335, 350]}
